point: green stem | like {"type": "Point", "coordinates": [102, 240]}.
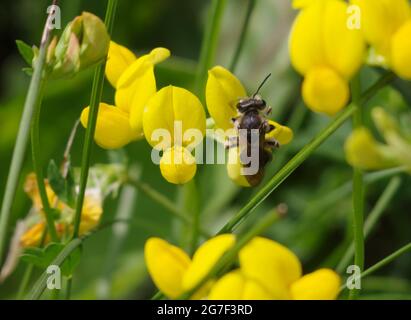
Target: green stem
{"type": "Point", "coordinates": [69, 284]}
{"type": "Point", "coordinates": [167, 204]}
{"type": "Point", "coordinates": [40, 284]}
{"type": "Point", "coordinates": [192, 206]}
{"type": "Point", "coordinates": [289, 168]}
{"type": "Point", "coordinates": [32, 98]}
{"type": "Point", "coordinates": [384, 262]}
{"type": "Point", "coordinates": [240, 45]}
{"type": "Point", "coordinates": [229, 257]}
{"type": "Point", "coordinates": [209, 44]}
{"type": "Point", "coordinates": [25, 281]}
{"type": "Point", "coordinates": [372, 219]}
{"type": "Point", "coordinates": [358, 192]}
{"type": "Point", "coordinates": [38, 169]}
{"type": "Point", "coordinates": [96, 93]}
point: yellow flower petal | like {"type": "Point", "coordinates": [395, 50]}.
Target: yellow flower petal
{"type": "Point", "coordinates": [325, 91]}
{"type": "Point", "coordinates": [281, 133]}
{"type": "Point", "coordinates": [166, 264]}
{"type": "Point", "coordinates": [177, 165]}
{"type": "Point", "coordinates": [320, 37]}
{"type": "Point", "coordinates": [271, 264]}
{"type": "Point", "coordinates": [113, 129]}
{"type": "Point", "coordinates": [364, 152]}
{"type": "Point", "coordinates": [323, 284]}
{"type": "Point", "coordinates": [235, 168]}
{"type": "Point", "coordinates": [118, 60]}
{"type": "Point", "coordinates": [205, 257]}
{"type": "Point", "coordinates": [171, 107]}
{"type": "Point", "coordinates": [33, 235]}
{"type": "Point", "coordinates": [137, 84]}
{"type": "Point", "coordinates": [380, 19]}
{"type": "Point", "coordinates": [401, 51]}
{"type": "Point", "coordinates": [223, 91]}
{"type": "Point", "coordinates": [91, 213]}
{"type": "Point", "coordinates": [234, 286]}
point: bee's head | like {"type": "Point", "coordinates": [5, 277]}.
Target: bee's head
{"type": "Point", "coordinates": [255, 103]}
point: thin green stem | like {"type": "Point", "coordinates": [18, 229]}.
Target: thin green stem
{"type": "Point", "coordinates": [25, 281]}
{"type": "Point", "coordinates": [372, 218]}
{"type": "Point", "coordinates": [243, 34]}
{"type": "Point", "coordinates": [358, 192]}
{"type": "Point", "coordinates": [210, 41]}
{"type": "Point", "coordinates": [192, 206]}
{"type": "Point", "coordinates": [167, 204]}
{"type": "Point", "coordinates": [32, 98]}
{"type": "Point", "coordinates": [288, 169]}
{"type": "Point", "coordinates": [41, 282]}
{"type": "Point", "coordinates": [96, 93]}
{"type": "Point", "coordinates": [38, 169]}
{"type": "Point", "coordinates": [69, 284]}
{"type": "Point", "coordinates": [229, 257]}
{"type": "Point", "coordinates": [383, 262]}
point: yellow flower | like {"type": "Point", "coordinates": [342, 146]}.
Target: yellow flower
{"type": "Point", "coordinates": [326, 52]}
{"type": "Point", "coordinates": [135, 83]}
{"type": "Point", "coordinates": [90, 216]}
{"type": "Point", "coordinates": [113, 129]}
{"type": "Point", "coordinates": [223, 92]}
{"type": "Point", "coordinates": [119, 58]}
{"type": "Point", "coordinates": [174, 121]}
{"type": "Point", "coordinates": [386, 25]}
{"type": "Point", "coordinates": [267, 270]}
{"type": "Point", "coordinates": [177, 165]}
{"type": "Point", "coordinates": [172, 270]}
{"type": "Point", "coordinates": [364, 152]}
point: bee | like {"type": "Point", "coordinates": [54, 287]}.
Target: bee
{"type": "Point", "coordinates": [252, 119]}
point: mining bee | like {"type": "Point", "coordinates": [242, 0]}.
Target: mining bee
{"type": "Point", "coordinates": [252, 119]}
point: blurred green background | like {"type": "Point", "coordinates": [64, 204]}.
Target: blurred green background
{"type": "Point", "coordinates": [318, 217]}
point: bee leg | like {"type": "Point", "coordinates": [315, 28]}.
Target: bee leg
{"type": "Point", "coordinates": [272, 143]}
{"type": "Point", "coordinates": [268, 127]}
{"type": "Point", "coordinates": [235, 121]}
{"type": "Point", "coordinates": [231, 142]}
{"type": "Point", "coordinates": [268, 111]}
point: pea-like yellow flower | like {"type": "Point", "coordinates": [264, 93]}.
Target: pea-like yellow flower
{"type": "Point", "coordinates": [174, 121]}
{"type": "Point", "coordinates": [172, 270]}
{"type": "Point", "coordinates": [270, 271]}
{"type": "Point", "coordinates": [362, 150]}
{"type": "Point", "coordinates": [90, 216]}
{"type": "Point", "coordinates": [326, 52]}
{"type": "Point", "coordinates": [135, 83]}
{"type": "Point", "coordinates": [178, 165]}
{"type": "Point", "coordinates": [223, 92]}
{"type": "Point", "coordinates": [267, 270]}
{"type": "Point", "coordinates": [386, 25]}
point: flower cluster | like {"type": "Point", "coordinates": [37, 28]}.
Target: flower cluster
{"type": "Point", "coordinates": [143, 111]}
{"type": "Point", "coordinates": [36, 224]}
{"type": "Point", "coordinates": [386, 25]}
{"type": "Point", "coordinates": [365, 152]}
{"type": "Point", "coordinates": [326, 52]}
{"type": "Point", "coordinates": [267, 270]}
{"type": "Point", "coordinates": [328, 46]}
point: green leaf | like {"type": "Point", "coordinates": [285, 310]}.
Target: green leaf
{"type": "Point", "coordinates": [42, 258]}
{"type": "Point", "coordinates": [55, 178]}
{"type": "Point", "coordinates": [28, 71]}
{"type": "Point", "coordinates": [72, 261]}
{"type": "Point", "coordinates": [64, 188]}
{"type": "Point", "coordinates": [25, 51]}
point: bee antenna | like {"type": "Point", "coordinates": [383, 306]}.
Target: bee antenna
{"type": "Point", "coordinates": [261, 85]}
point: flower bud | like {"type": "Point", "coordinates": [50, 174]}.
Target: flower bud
{"type": "Point", "coordinates": [84, 42]}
